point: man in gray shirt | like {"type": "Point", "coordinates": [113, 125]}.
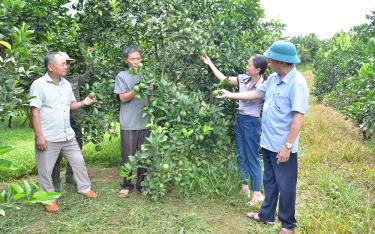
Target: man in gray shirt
{"type": "Point", "coordinates": [50, 116]}
{"type": "Point", "coordinates": [133, 130]}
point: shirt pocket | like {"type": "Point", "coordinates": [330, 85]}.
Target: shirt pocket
{"type": "Point", "coordinates": [282, 103]}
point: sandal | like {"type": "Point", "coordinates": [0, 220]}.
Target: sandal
{"type": "Point", "coordinates": [286, 231]}
{"type": "Point", "coordinates": [52, 208]}
{"type": "Point", "coordinates": [123, 193]}
{"type": "Point", "coordinates": [254, 203]}
{"type": "Point", "coordinates": [255, 217]}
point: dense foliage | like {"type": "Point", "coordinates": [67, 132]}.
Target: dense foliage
{"type": "Point", "coordinates": [26, 193]}
{"type": "Point", "coordinates": [31, 33]}
{"type": "Point", "coordinates": [173, 35]}
{"type": "Point", "coordinates": [307, 46]}
{"type": "Point", "coordinates": [345, 74]}
{"type": "Point", "coordinates": [187, 142]}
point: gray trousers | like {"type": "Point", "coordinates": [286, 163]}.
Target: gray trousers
{"type": "Point", "coordinates": [69, 172]}
{"type": "Point", "coordinates": [46, 161]}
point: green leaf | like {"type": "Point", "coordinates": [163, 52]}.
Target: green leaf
{"type": "Point", "coordinates": [35, 186]}
{"type": "Point", "coordinates": [53, 195]}
{"type": "Point", "coordinates": [11, 205]}
{"type": "Point", "coordinates": [6, 44]}
{"type": "Point", "coordinates": [7, 165]}
{"type": "Point", "coordinates": [2, 212]}
{"type": "Point", "coordinates": [5, 149]}
{"type": "Point", "coordinates": [2, 197]}
{"type": "Point", "coordinates": [17, 188]}
{"type": "Point", "coordinates": [8, 193]}
{"type": "Point", "coordinates": [8, 3]}
{"type": "Point", "coordinates": [18, 196]}
{"type": "Point", "coordinates": [28, 188]}
{"type": "Point", "coordinates": [39, 196]}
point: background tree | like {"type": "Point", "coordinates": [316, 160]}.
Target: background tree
{"type": "Point", "coordinates": [173, 35]}
{"type": "Point", "coordinates": [344, 69]}
{"type": "Point", "coordinates": [307, 46]}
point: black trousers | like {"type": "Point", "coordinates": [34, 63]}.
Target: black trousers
{"type": "Point", "coordinates": [131, 142]}
{"type": "Point", "coordinates": [280, 181]}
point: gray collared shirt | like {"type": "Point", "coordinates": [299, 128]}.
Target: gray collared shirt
{"type": "Point", "coordinates": [131, 116]}
{"type": "Point", "coordinates": [54, 101]}
{"type": "Point", "coordinates": [249, 107]}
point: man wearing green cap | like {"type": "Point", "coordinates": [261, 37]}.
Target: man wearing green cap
{"type": "Point", "coordinates": [286, 102]}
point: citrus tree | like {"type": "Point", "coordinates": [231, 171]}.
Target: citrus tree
{"type": "Point", "coordinates": [345, 79]}
{"type": "Point", "coordinates": [26, 193]}
{"type": "Point", "coordinates": [188, 148]}
{"type": "Point", "coordinates": [307, 46]}
{"type": "Point", "coordinates": [191, 130]}
{"type": "Point", "coordinates": [29, 33]}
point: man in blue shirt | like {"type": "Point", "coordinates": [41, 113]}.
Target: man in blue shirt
{"type": "Point", "coordinates": [286, 102]}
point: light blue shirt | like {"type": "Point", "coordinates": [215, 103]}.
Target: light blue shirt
{"type": "Point", "coordinates": [282, 98]}
{"type": "Point", "coordinates": [54, 101]}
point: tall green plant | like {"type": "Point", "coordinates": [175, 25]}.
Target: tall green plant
{"type": "Point", "coordinates": [307, 46]}
{"type": "Point", "coordinates": [188, 136]}
{"type": "Point", "coordinates": [27, 193]}
{"type": "Point", "coordinates": [19, 65]}
{"type": "Point", "coordinates": [172, 34]}
{"type": "Point", "coordinates": [345, 75]}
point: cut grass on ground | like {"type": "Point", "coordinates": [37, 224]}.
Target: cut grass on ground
{"type": "Point", "coordinates": [335, 191]}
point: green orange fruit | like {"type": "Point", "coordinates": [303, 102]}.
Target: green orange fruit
{"type": "Point", "coordinates": [215, 93]}
{"type": "Point", "coordinates": [165, 167]}
{"type": "Point", "coordinates": [136, 88]}
{"type": "Point", "coordinates": [138, 97]}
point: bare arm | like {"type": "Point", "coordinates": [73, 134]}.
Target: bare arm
{"type": "Point", "coordinates": [41, 143]}
{"type": "Point", "coordinates": [126, 97]}
{"type": "Point", "coordinates": [218, 74]}
{"type": "Point", "coordinates": [86, 102]}
{"type": "Point", "coordinates": [250, 95]}
{"type": "Point", "coordinates": [297, 122]}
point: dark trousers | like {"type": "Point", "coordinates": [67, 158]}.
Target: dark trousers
{"type": "Point", "coordinates": [131, 142]}
{"type": "Point", "coordinates": [279, 181]}
{"type": "Point", "coordinates": [69, 171]}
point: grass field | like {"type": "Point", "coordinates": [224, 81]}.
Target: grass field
{"type": "Point", "coordinates": [336, 190]}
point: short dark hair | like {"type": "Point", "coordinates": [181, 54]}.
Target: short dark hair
{"type": "Point", "coordinates": [130, 49]}
{"type": "Point", "coordinates": [49, 58]}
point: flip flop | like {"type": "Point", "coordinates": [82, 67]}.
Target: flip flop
{"type": "Point", "coordinates": [251, 203]}
{"type": "Point", "coordinates": [286, 231]}
{"type": "Point", "coordinates": [123, 193]}
{"type": "Point", "coordinates": [255, 217]}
